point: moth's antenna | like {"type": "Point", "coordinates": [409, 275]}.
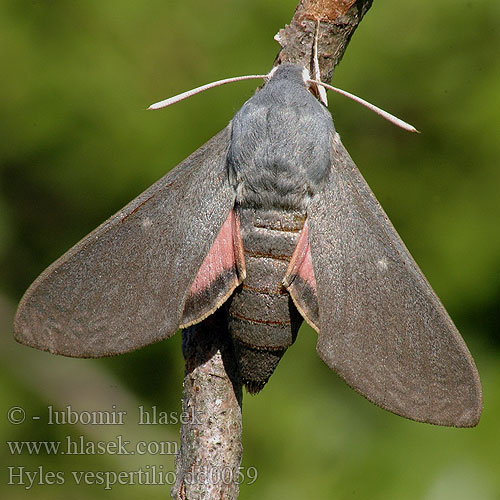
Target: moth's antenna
{"type": "Point", "coordinates": [384, 114]}
{"type": "Point", "coordinates": [189, 93]}
{"type": "Point", "coordinates": [197, 90]}
{"type": "Point", "coordinates": [317, 73]}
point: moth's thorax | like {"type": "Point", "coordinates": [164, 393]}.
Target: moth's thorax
{"type": "Point", "coordinates": [280, 145]}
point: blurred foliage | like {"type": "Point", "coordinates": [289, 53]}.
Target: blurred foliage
{"type": "Point", "coordinates": [77, 145]}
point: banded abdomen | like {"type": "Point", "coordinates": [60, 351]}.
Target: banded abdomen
{"type": "Point", "coordinates": [263, 319]}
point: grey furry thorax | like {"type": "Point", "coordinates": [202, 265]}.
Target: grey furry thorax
{"type": "Point", "coordinates": [280, 146]}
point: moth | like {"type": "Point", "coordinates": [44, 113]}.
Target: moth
{"type": "Point", "coordinates": [271, 220]}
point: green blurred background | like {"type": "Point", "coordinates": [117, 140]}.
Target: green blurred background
{"type": "Point", "coordinates": [77, 145]}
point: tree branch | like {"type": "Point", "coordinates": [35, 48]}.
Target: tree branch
{"type": "Point", "coordinates": [212, 396]}
{"type": "Point", "coordinates": [338, 19]}
{"type": "Point", "coordinates": [210, 452]}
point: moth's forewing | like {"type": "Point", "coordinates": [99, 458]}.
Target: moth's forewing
{"type": "Point", "coordinates": [381, 326]}
{"type": "Point", "coordinates": [125, 284]}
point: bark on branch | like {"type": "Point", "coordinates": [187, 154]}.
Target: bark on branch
{"type": "Point", "coordinates": [338, 19]}
{"type": "Point", "coordinates": [210, 451]}
{"type": "Point", "coordinates": [211, 440]}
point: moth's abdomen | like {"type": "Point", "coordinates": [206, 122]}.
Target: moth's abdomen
{"type": "Point", "coordinates": [262, 317]}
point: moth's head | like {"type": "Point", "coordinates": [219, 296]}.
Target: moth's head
{"type": "Point", "coordinates": [289, 72]}
{"type": "Point", "coordinates": [295, 75]}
